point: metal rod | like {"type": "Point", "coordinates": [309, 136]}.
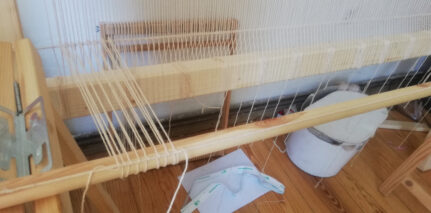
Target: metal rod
{"type": "Point", "coordinates": [17, 98]}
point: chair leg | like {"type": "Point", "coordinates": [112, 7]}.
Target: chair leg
{"type": "Point", "coordinates": [406, 168]}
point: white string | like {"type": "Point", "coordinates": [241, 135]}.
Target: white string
{"type": "Point", "coordinates": [186, 157]}
{"type": "Point", "coordinates": [208, 142]}
{"type": "Point", "coordinates": [266, 36]}
{"type": "Point", "coordinates": [87, 186]}
{"type": "Point", "coordinates": [84, 193]}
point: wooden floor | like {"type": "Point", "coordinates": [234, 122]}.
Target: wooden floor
{"type": "Point", "coordinates": [354, 189]}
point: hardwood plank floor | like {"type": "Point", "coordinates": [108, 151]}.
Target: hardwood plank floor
{"type": "Point", "coordinates": [354, 189]}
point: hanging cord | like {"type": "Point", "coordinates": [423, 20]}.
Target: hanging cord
{"type": "Point", "coordinates": [87, 186]}
{"type": "Point", "coordinates": [186, 158]}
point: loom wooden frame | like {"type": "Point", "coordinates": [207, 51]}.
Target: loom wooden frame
{"type": "Point", "coordinates": [11, 30]}
{"type": "Point", "coordinates": [75, 176]}
{"type": "Point", "coordinates": [29, 74]}
{"type": "Point", "coordinates": [194, 78]}
{"type": "Point", "coordinates": [108, 31]}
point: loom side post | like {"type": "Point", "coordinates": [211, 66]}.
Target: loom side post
{"type": "Point", "coordinates": [30, 77]}
{"type": "Point", "coordinates": [65, 149]}
{"type": "Point", "coordinates": [7, 100]}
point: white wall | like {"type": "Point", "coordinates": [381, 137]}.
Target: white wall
{"type": "Point", "coordinates": [38, 22]}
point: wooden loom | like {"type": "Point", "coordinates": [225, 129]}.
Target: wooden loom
{"type": "Point", "coordinates": [61, 180]}
{"type": "Point", "coordinates": [278, 126]}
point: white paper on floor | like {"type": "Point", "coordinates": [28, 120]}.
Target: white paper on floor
{"type": "Point", "coordinates": [234, 191]}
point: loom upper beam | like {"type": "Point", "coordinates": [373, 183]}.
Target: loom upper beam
{"type": "Point", "coordinates": [185, 79]}
{"type": "Point", "coordinates": [72, 177]}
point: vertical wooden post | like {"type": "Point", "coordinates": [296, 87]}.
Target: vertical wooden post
{"type": "Point", "coordinates": [7, 99]}
{"type": "Point", "coordinates": [10, 26]}
{"type": "Point", "coordinates": [226, 110]}
{"type": "Point", "coordinates": [232, 51]}
{"type": "Point", "coordinates": [10, 30]}
{"type": "Point", "coordinates": [31, 79]}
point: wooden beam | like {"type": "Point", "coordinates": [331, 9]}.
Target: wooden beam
{"type": "Point", "coordinates": [404, 125]}
{"type": "Point", "coordinates": [426, 164]}
{"type": "Point", "coordinates": [173, 27]}
{"type": "Point", "coordinates": [72, 154]}
{"type": "Point", "coordinates": [31, 79]}
{"type": "Point", "coordinates": [10, 26]}
{"type": "Point", "coordinates": [179, 80]}
{"type": "Point", "coordinates": [104, 169]}
{"type": "Point", "coordinates": [174, 45]}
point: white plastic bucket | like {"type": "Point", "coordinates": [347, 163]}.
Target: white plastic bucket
{"type": "Point", "coordinates": [324, 149]}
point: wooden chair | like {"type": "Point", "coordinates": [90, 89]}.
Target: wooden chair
{"type": "Point", "coordinates": [403, 174]}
